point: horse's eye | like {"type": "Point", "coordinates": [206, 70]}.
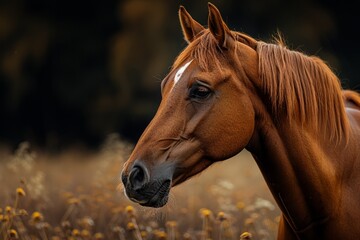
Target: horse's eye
{"type": "Point", "coordinates": [199, 92]}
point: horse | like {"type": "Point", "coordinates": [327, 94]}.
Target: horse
{"type": "Point", "coordinates": [227, 92]}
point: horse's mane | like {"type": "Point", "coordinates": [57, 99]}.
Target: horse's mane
{"type": "Point", "coordinates": [304, 88]}
{"type": "Point", "coordinates": [301, 87]}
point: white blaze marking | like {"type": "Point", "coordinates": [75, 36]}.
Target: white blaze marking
{"type": "Point", "coordinates": [180, 72]}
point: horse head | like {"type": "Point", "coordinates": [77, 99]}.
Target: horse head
{"type": "Point", "coordinates": [206, 113]}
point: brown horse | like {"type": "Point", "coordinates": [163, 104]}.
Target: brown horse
{"type": "Point", "coordinates": [226, 92]}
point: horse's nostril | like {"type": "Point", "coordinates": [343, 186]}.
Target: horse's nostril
{"type": "Point", "coordinates": [138, 177]}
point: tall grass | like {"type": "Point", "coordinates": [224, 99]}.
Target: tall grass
{"type": "Point", "coordinates": [76, 195]}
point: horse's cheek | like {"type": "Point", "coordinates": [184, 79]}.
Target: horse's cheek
{"type": "Point", "coordinates": [230, 131]}
{"type": "Point", "coordinates": [244, 124]}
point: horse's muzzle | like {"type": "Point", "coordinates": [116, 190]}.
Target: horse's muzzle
{"type": "Point", "coordinates": [141, 189]}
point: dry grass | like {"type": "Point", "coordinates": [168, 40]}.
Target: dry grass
{"type": "Point", "coordinates": [75, 195]}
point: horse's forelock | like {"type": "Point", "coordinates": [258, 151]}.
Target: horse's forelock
{"type": "Point", "coordinates": [204, 50]}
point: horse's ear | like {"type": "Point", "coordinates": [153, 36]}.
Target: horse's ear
{"type": "Point", "coordinates": [190, 27]}
{"type": "Point", "coordinates": [218, 28]}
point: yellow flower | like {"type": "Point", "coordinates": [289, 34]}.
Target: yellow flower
{"type": "Point", "coordinates": [245, 235]}
{"type": "Point", "coordinates": [4, 218]}
{"type": "Point", "coordinates": [23, 212]}
{"type": "Point", "coordinates": [20, 192]}
{"type": "Point", "coordinates": [37, 217]}
{"type": "Point", "coordinates": [73, 201]}
{"type": "Point", "coordinates": [13, 234]}
{"type": "Point", "coordinates": [75, 232]}
{"type": "Point", "coordinates": [171, 224]}
{"type": "Point", "coordinates": [221, 216]}
{"type": "Point", "coordinates": [204, 212]}
{"type": "Point", "coordinates": [240, 205]}
{"type": "Point", "coordinates": [130, 210]}
{"type": "Point", "coordinates": [99, 236]}
{"type": "Point", "coordinates": [161, 235]}
{"type": "Point", "coordinates": [85, 233]}
{"type": "Point", "coordinates": [143, 234]}
{"type": "Point", "coordinates": [8, 210]}
{"type": "Point", "coordinates": [130, 226]}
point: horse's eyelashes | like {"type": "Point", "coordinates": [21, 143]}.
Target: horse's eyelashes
{"type": "Point", "coordinates": [199, 92]}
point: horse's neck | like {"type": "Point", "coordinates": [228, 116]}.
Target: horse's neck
{"type": "Point", "coordinates": [298, 170]}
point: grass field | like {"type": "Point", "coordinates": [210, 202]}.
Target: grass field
{"type": "Point", "coordinates": [77, 195]}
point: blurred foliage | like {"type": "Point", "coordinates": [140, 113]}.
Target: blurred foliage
{"type": "Point", "coordinates": [73, 71]}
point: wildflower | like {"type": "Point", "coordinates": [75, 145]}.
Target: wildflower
{"type": "Point", "coordinates": [187, 236]}
{"type": "Point", "coordinates": [73, 201]}
{"type": "Point", "coordinates": [66, 224]}
{"type": "Point", "coordinates": [4, 218]}
{"type": "Point", "coordinates": [85, 233]}
{"type": "Point", "coordinates": [171, 224]}
{"type": "Point", "coordinates": [133, 227]}
{"type": "Point", "coordinates": [87, 222]}
{"type": "Point", "coordinates": [23, 212]}
{"type": "Point", "coordinates": [204, 212]}
{"type": "Point", "coordinates": [75, 232]}
{"type": "Point", "coordinates": [13, 234]}
{"type": "Point", "coordinates": [221, 216]}
{"type": "Point", "coordinates": [20, 192]}
{"type": "Point", "coordinates": [263, 203]}
{"type": "Point", "coordinates": [130, 210]}
{"type": "Point", "coordinates": [130, 226]}
{"type": "Point", "coordinates": [245, 236]}
{"type": "Point", "coordinates": [240, 205]}
{"type": "Point", "coordinates": [171, 229]}
{"type": "Point", "coordinates": [143, 234]}
{"type": "Point", "coordinates": [8, 210]}
{"type": "Point", "coordinates": [226, 185]}
{"type": "Point", "coordinates": [161, 235]}
{"type": "Point", "coordinates": [37, 217]}
{"type": "Point", "coordinates": [99, 236]}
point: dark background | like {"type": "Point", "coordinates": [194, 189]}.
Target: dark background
{"type": "Point", "coordinates": [71, 72]}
